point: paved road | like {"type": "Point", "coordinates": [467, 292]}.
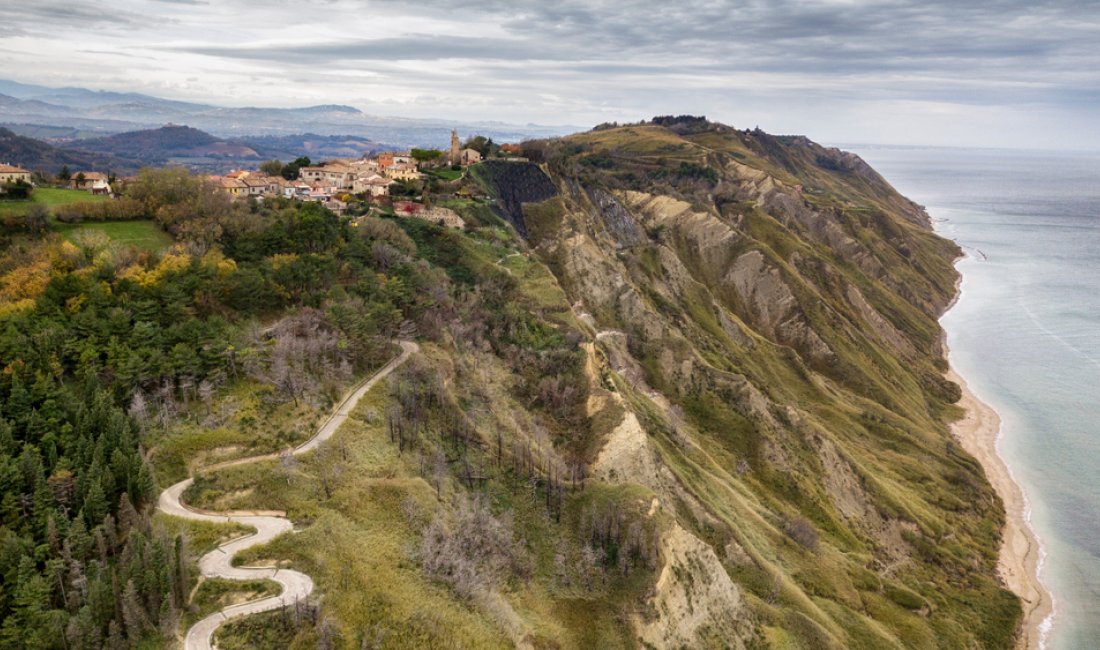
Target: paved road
{"type": "Point", "coordinates": [219, 562]}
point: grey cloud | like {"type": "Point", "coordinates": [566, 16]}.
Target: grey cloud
{"type": "Point", "coordinates": [423, 47]}
{"type": "Point", "coordinates": [70, 13]}
{"type": "Point", "coordinates": [621, 60]}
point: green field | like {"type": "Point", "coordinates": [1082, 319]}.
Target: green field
{"type": "Point", "coordinates": [49, 196]}
{"type": "Point", "coordinates": [143, 234]}
{"type": "Point", "coordinates": [446, 173]}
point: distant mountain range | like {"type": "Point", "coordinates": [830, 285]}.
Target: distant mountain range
{"type": "Point", "coordinates": [82, 113]}
{"type": "Point", "coordinates": [168, 145]}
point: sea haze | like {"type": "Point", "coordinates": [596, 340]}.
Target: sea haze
{"type": "Point", "coordinates": [1026, 336]}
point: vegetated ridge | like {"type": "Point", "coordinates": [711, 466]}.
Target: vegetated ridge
{"type": "Point", "coordinates": [765, 312]}
{"type": "Point", "coordinates": [158, 146]}
{"type": "Point", "coordinates": [36, 155]}
{"type": "Point", "coordinates": [698, 402]}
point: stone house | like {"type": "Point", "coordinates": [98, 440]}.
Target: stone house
{"type": "Point", "coordinates": [12, 174]}
{"type": "Point", "coordinates": [336, 174]}
{"type": "Point", "coordinates": [232, 186]}
{"type": "Point", "coordinates": [93, 182]}
{"type": "Point", "coordinates": [403, 173]}
{"type": "Point", "coordinates": [372, 185]}
{"type": "Point", "coordinates": [470, 156]}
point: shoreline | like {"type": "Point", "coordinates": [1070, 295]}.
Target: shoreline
{"type": "Point", "coordinates": [1021, 555]}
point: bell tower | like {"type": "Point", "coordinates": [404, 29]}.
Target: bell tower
{"type": "Point", "coordinates": [454, 147]}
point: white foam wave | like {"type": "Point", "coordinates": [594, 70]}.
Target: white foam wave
{"type": "Point", "coordinates": [1047, 624]}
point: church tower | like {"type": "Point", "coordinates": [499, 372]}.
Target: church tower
{"type": "Point", "coordinates": [454, 147]}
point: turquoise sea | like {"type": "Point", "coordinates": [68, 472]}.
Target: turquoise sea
{"type": "Point", "coordinates": [1026, 336]}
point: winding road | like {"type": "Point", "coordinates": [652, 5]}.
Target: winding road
{"type": "Point", "coordinates": [269, 525]}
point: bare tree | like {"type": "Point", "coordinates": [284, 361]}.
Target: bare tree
{"type": "Point", "coordinates": [139, 408]}
{"type": "Point", "coordinates": [206, 393]}
{"type": "Point", "coordinates": [288, 466]}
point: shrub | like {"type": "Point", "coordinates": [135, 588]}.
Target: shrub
{"type": "Point", "coordinates": [17, 191]}
{"type": "Point", "coordinates": [473, 552]}
{"type": "Point", "coordinates": [801, 531]}
{"type": "Point", "coordinates": [117, 210]}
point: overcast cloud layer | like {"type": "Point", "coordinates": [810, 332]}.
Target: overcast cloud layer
{"type": "Point", "coordinates": [996, 73]}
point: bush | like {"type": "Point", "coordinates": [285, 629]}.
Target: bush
{"type": "Point", "coordinates": [475, 552]}
{"type": "Point", "coordinates": [17, 191]}
{"type": "Point", "coordinates": [801, 531]}
{"type": "Point", "coordinates": [33, 221]}
{"type": "Point", "coordinates": [117, 210]}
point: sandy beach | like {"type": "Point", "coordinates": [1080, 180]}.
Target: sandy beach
{"type": "Point", "coordinates": [977, 432]}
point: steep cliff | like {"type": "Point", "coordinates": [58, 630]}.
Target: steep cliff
{"type": "Point", "coordinates": [767, 311]}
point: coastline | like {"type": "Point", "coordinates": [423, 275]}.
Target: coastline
{"type": "Point", "coordinates": [1021, 554]}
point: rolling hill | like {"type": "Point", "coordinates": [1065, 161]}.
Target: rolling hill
{"type": "Point", "coordinates": [37, 155]}
{"type": "Point", "coordinates": [167, 144]}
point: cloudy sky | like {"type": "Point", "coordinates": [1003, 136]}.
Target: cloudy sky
{"type": "Point", "coordinates": [955, 72]}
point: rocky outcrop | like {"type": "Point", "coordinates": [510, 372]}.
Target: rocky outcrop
{"type": "Point", "coordinates": [695, 603]}
{"type": "Point", "coordinates": [771, 305]}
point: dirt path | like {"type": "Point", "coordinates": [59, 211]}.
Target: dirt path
{"type": "Point", "coordinates": [219, 562]}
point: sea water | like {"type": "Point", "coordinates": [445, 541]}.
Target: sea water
{"type": "Point", "coordinates": [1026, 336]}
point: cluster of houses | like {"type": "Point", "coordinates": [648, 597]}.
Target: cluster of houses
{"type": "Point", "coordinates": [91, 182]}
{"type": "Point", "coordinates": [329, 182]}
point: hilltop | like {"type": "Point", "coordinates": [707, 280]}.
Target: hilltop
{"type": "Point", "coordinates": [766, 309]}
{"type": "Point", "coordinates": [167, 143]}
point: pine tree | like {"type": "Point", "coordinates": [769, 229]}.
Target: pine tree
{"type": "Point", "coordinates": [133, 614]}
{"type": "Point", "coordinates": [95, 504]}
{"type": "Point", "coordinates": [127, 515]}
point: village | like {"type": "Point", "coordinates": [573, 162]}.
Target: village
{"type": "Point", "coordinates": [387, 182]}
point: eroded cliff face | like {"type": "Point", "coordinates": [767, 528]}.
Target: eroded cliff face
{"type": "Point", "coordinates": [763, 314]}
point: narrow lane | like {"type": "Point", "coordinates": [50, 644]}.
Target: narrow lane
{"type": "Point", "coordinates": [219, 562]}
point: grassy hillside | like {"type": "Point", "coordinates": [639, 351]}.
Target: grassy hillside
{"type": "Point", "coordinates": [144, 235]}
{"type": "Point", "coordinates": [752, 451]}
{"type": "Point", "coordinates": [690, 395]}
{"type": "Point", "coordinates": [772, 306]}
{"type": "Point", "coordinates": [50, 197]}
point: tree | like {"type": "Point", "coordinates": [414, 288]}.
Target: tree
{"type": "Point", "coordinates": [132, 613]}
{"type": "Point", "coordinates": [290, 170]}
{"type": "Point", "coordinates": [19, 190]}
{"type": "Point", "coordinates": [65, 174]}
{"type": "Point", "coordinates": [425, 155]}
{"type": "Point", "coordinates": [272, 167]}
{"type": "Point", "coordinates": [37, 219]}
{"type": "Point", "coordinates": [481, 144]}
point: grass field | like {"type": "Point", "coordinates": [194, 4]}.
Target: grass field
{"type": "Point", "coordinates": [143, 234]}
{"type": "Point", "coordinates": [446, 173]}
{"type": "Point", "coordinates": [49, 196]}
